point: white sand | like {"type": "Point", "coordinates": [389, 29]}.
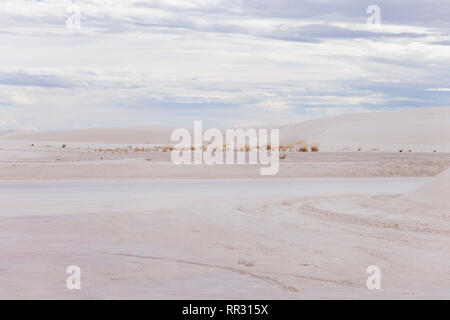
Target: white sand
{"type": "Point", "coordinates": [38, 163]}
{"type": "Point", "coordinates": [213, 239]}
{"type": "Point", "coordinates": [421, 130]}
{"type": "Point", "coordinates": [139, 241]}
{"type": "Point", "coordinates": [436, 192]}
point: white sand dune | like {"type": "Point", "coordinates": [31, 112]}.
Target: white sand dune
{"type": "Point", "coordinates": [421, 129]}
{"type": "Point", "coordinates": [418, 130]}
{"type": "Point", "coordinates": [436, 192]}
{"type": "Point", "coordinates": [6, 133]}
{"type": "Point", "coordinates": [119, 135]}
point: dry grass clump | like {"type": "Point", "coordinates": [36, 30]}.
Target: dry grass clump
{"type": "Point", "coordinates": [167, 148]}
{"type": "Point", "coordinates": [181, 148]}
{"type": "Point", "coordinates": [126, 150]}
{"type": "Point", "coordinates": [243, 148]}
{"type": "Point", "coordinates": [301, 146]}
{"type": "Point", "coordinates": [303, 149]}
{"type": "Point", "coordinates": [142, 149]}
{"type": "Point", "coordinates": [282, 156]}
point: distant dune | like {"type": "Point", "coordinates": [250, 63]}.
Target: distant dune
{"type": "Point", "coordinates": [5, 133]}
{"type": "Point", "coordinates": [418, 130]}
{"type": "Point", "coordinates": [119, 135]}
{"type": "Point", "coordinates": [436, 192]}
{"type": "Point", "coordinates": [421, 129]}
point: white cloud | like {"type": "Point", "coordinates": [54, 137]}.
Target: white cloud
{"type": "Point", "coordinates": [438, 89]}
{"type": "Point", "coordinates": [222, 61]}
{"type": "Point", "coordinates": [271, 105]}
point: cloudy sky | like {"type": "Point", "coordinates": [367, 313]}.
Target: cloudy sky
{"type": "Point", "coordinates": [226, 62]}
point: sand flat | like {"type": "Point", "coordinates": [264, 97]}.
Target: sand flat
{"type": "Point", "coordinates": [175, 245]}
{"type": "Point", "coordinates": [82, 164]}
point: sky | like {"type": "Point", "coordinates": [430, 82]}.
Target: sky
{"type": "Point", "coordinates": [230, 63]}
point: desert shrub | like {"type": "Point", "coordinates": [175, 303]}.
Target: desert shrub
{"type": "Point", "coordinates": [303, 149]}
{"type": "Point", "coordinates": [283, 156]}
{"type": "Point", "coordinates": [167, 148]}
{"type": "Point", "coordinates": [63, 146]}
{"type": "Point", "coordinates": [314, 149]}
{"type": "Point", "coordinates": [301, 146]}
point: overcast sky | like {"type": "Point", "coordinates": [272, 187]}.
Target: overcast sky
{"type": "Point", "coordinates": [228, 63]}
